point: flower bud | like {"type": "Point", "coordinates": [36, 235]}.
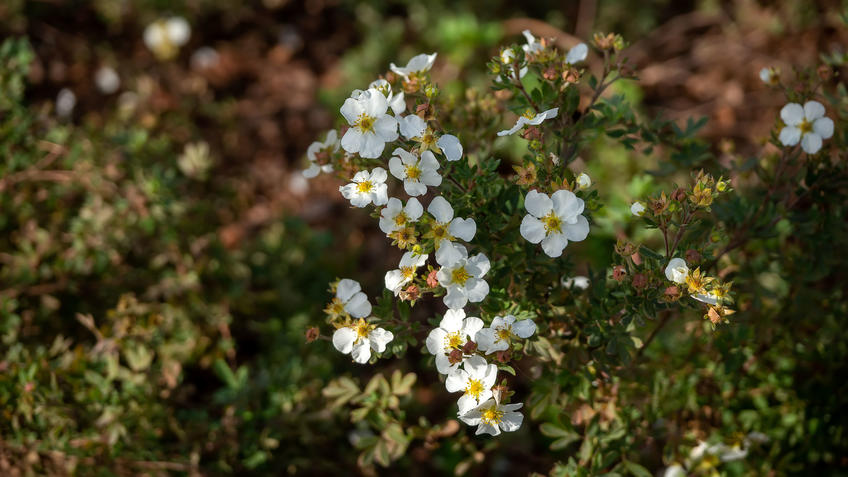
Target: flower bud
{"type": "Point", "coordinates": [618, 273]}
{"type": "Point", "coordinates": [312, 334]}
{"type": "Point", "coordinates": [411, 293]}
{"type": "Point", "coordinates": [469, 347]}
{"type": "Point", "coordinates": [679, 194]}
{"type": "Point", "coordinates": [455, 356]}
{"type": "Point", "coordinates": [640, 280]}
{"type": "Point", "coordinates": [692, 256]}
{"type": "Point", "coordinates": [432, 281]}
{"type": "Point", "coordinates": [503, 356]}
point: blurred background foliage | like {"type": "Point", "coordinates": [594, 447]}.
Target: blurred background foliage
{"type": "Point", "coordinates": [161, 258]}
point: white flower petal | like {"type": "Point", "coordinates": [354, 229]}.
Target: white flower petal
{"type": "Point", "coordinates": [463, 228]}
{"type": "Point", "coordinates": [361, 352]}
{"type": "Point", "coordinates": [792, 114]}
{"type": "Point", "coordinates": [811, 143]}
{"type": "Point", "coordinates": [343, 339]}
{"type": "Point", "coordinates": [466, 403]}
{"type": "Point", "coordinates": [412, 126]}
{"type": "Point", "coordinates": [450, 146]}
{"type": "Point", "coordinates": [566, 204]}
{"type": "Point", "coordinates": [358, 306]}
{"type": "Point", "coordinates": [823, 127]}
{"type": "Point", "coordinates": [538, 203]}
{"type": "Point", "coordinates": [372, 146]}
{"type": "Point", "coordinates": [554, 244]}
{"type": "Point", "coordinates": [396, 168]}
{"type": "Point", "coordinates": [578, 231]}
{"type": "Point", "coordinates": [436, 341]}
{"type": "Point", "coordinates": [511, 421]}
{"type": "Point", "coordinates": [379, 338]}
{"type": "Point", "coordinates": [455, 297]}
{"type": "Point", "coordinates": [452, 321]}
{"type": "Point", "coordinates": [577, 54]}
{"type": "Point", "coordinates": [413, 209]}
{"type": "Point", "coordinates": [524, 328]}
{"type": "Point", "coordinates": [532, 229]}
{"type": "Point", "coordinates": [476, 289]}
{"type": "Point", "coordinates": [346, 288]}
{"type": "Point", "coordinates": [471, 325]}
{"type": "Point", "coordinates": [790, 135]}
{"type": "Point", "coordinates": [481, 262]}
{"type": "Point", "coordinates": [386, 128]}
{"type": "Point", "coordinates": [456, 381]}
{"type": "Point", "coordinates": [440, 209]}
{"type": "Point", "coordinates": [813, 110]}
{"type": "Point", "coordinates": [352, 140]}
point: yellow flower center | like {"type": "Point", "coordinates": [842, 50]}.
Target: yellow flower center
{"type": "Point", "coordinates": [413, 172]}
{"type": "Point", "coordinates": [552, 223]}
{"type": "Point", "coordinates": [365, 123]}
{"type": "Point", "coordinates": [454, 340]}
{"type": "Point", "coordinates": [440, 231]}
{"type": "Point", "coordinates": [529, 114]}
{"type": "Point", "coordinates": [400, 219]}
{"type": "Point", "coordinates": [474, 388]}
{"type": "Point", "coordinates": [427, 139]}
{"type": "Point", "coordinates": [364, 187]}
{"type": "Point", "coordinates": [407, 272]}
{"type": "Point", "coordinates": [362, 329]}
{"type": "Point", "coordinates": [491, 415]}
{"type": "Point", "coordinates": [805, 126]}
{"type": "Point", "coordinates": [504, 333]}
{"type": "Point", "coordinates": [460, 275]}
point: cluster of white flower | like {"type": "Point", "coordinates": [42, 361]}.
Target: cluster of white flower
{"type": "Point", "coordinates": [464, 348]}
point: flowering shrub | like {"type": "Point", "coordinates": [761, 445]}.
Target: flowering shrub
{"type": "Point", "coordinates": [508, 301]}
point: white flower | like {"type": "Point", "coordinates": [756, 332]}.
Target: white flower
{"type": "Point", "coordinates": [532, 45]}
{"type": "Point", "coordinates": [554, 220]}
{"type": "Point", "coordinates": [674, 470]}
{"type": "Point", "coordinates": [359, 338]}
{"type": "Point", "coordinates": [409, 263]}
{"type": "Point", "coordinates": [164, 37]}
{"type": "Point", "coordinates": [460, 275]}
{"type": "Point", "coordinates": [677, 270]}
{"type": "Point", "coordinates": [769, 76]}
{"type": "Point", "coordinates": [507, 58]}
{"type": "Point", "coordinates": [350, 299]}
{"type": "Point", "coordinates": [396, 101]}
{"type": "Point", "coordinates": [416, 173]}
{"type": "Point", "coordinates": [107, 80]}
{"type": "Point", "coordinates": [414, 128]}
{"type": "Point", "coordinates": [637, 209]}
{"type": "Point", "coordinates": [418, 64]}
{"type": "Point", "coordinates": [396, 216]}
{"type": "Point", "coordinates": [66, 100]}
{"type": "Point", "coordinates": [498, 336]}
{"type": "Point", "coordinates": [579, 281]}
{"type": "Point", "coordinates": [475, 380]}
{"type": "Point", "coordinates": [492, 418]}
{"type": "Point", "coordinates": [577, 54]}
{"type": "Point", "coordinates": [532, 120]}
{"type": "Point", "coordinates": [584, 181]}
{"type": "Point", "coordinates": [453, 332]}
{"type": "Point", "coordinates": [724, 452]}
{"type": "Point", "coordinates": [367, 187]}
{"type": "Point", "coordinates": [806, 124]}
{"type": "Point", "coordinates": [371, 128]}
{"type": "Point", "coordinates": [709, 298]}
{"type": "Point", "coordinates": [445, 226]}
{"type": "Point", "coordinates": [330, 144]}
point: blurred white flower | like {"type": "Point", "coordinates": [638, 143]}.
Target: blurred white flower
{"type": "Point", "coordinates": [806, 124]}
{"type": "Point", "coordinates": [584, 181]}
{"type": "Point", "coordinates": [417, 65]}
{"type": "Point", "coordinates": [579, 282]}
{"type": "Point", "coordinates": [531, 120]}
{"type": "Point", "coordinates": [66, 100]}
{"type": "Point", "coordinates": [107, 80]}
{"type": "Point", "coordinates": [637, 209]}
{"type": "Point", "coordinates": [195, 161]}
{"type": "Point", "coordinates": [204, 58]}
{"type": "Point", "coordinates": [165, 36]}
{"type": "Point", "coordinates": [532, 45]}
{"type": "Point", "coordinates": [330, 145]}
{"type": "Point", "coordinates": [577, 54]}
{"type": "Point", "coordinates": [770, 76]}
